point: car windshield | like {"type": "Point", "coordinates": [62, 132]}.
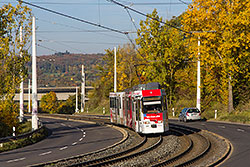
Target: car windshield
{"type": "Point", "coordinates": [194, 110]}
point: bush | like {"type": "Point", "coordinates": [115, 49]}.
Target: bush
{"type": "Point", "coordinates": [69, 106]}
{"type": "Point", "coordinates": [8, 117]}
{"type": "Point", "coordinates": [49, 103]}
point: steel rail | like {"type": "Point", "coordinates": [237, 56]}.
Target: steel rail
{"type": "Point", "coordinates": [178, 156]}
{"type": "Point", "coordinates": [111, 158]}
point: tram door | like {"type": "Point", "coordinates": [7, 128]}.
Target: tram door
{"type": "Point", "coordinates": [121, 109]}
{"type": "Point", "coordinates": [136, 115]}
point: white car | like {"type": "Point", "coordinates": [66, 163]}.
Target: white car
{"type": "Point", "coordinates": [188, 114]}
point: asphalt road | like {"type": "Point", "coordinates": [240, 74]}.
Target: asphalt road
{"type": "Point", "coordinates": [68, 139]}
{"type": "Point", "coordinates": [239, 136]}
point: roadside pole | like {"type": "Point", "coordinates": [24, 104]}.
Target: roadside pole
{"type": "Point", "coordinates": [29, 95]}
{"type": "Point", "coordinates": [34, 78]}
{"type": "Point", "coordinates": [83, 90]}
{"type": "Point", "coordinates": [21, 84]}
{"type": "Point", "coordinates": [115, 88]}
{"type": "Point", "coordinates": [198, 103]}
{"type": "Point", "coordinates": [76, 100]}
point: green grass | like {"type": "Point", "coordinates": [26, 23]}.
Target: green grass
{"type": "Point", "coordinates": [24, 127]}
{"type": "Point", "coordinates": [34, 138]}
{"type": "Point", "coordinates": [241, 117]}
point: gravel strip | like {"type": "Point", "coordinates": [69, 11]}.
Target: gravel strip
{"type": "Point", "coordinates": [218, 148]}
{"type": "Point", "coordinates": [169, 145]}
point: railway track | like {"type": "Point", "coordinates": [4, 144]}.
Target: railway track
{"type": "Point", "coordinates": [196, 147]}
{"type": "Point", "coordinates": [145, 146]}
{"type": "Point", "coordinates": [181, 146]}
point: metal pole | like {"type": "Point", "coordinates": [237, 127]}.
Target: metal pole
{"type": "Point", "coordinates": [29, 95]}
{"type": "Point", "coordinates": [83, 90]}
{"type": "Point", "coordinates": [198, 104]}
{"type": "Point", "coordinates": [34, 78]}
{"type": "Point", "coordinates": [21, 84]}
{"type": "Point", "coordinates": [115, 88]}
{"type": "Point", "coordinates": [76, 100]}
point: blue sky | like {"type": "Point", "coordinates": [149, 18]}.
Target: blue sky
{"type": "Point", "coordinates": [58, 34]}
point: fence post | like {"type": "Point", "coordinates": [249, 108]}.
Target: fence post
{"type": "Point", "coordinates": [215, 114]}
{"type": "Point", "coordinates": [173, 112]}
{"type": "Point", "coordinates": [14, 130]}
{"type": "Point", "coordinates": [103, 110]}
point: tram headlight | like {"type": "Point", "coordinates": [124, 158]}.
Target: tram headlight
{"type": "Point", "coordinates": [159, 122]}
{"type": "Point", "coordinates": [146, 122]}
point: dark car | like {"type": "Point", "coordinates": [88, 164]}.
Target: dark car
{"type": "Point", "coordinates": [190, 114]}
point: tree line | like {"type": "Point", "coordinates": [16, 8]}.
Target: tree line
{"type": "Point", "coordinates": [169, 56]}
{"type": "Point", "coordinates": [162, 53]}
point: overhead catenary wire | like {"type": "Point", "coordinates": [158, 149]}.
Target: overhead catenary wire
{"type": "Point", "coordinates": [72, 17]}
{"type": "Point", "coordinates": [46, 47]}
{"type": "Point", "coordinates": [83, 30]}
{"type": "Point", "coordinates": [107, 4]}
{"type": "Point", "coordinates": [143, 14]}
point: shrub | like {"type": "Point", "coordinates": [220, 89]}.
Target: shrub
{"type": "Point", "coordinates": [49, 103]}
{"type": "Point", "coordinates": [8, 117]}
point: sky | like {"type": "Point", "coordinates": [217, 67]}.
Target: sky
{"type": "Point", "coordinates": [56, 33]}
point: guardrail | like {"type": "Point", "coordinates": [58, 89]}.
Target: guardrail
{"type": "Point", "coordinates": [22, 136]}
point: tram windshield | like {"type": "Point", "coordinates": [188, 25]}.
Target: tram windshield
{"type": "Point", "coordinates": [152, 107]}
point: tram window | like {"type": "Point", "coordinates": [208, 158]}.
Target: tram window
{"type": "Point", "coordinates": [164, 104]}
{"type": "Point", "coordinates": [117, 105]}
{"type": "Point", "coordinates": [112, 102]}
{"type": "Point", "coordinates": [155, 108]}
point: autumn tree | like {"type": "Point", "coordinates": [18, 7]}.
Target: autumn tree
{"type": "Point", "coordinates": [126, 73]}
{"type": "Point", "coordinates": [161, 51]}
{"type": "Point", "coordinates": [223, 27]}
{"type": "Point", "coordinates": [12, 65]}
{"type": "Point", "coordinates": [49, 103]}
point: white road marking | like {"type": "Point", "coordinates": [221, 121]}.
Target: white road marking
{"type": "Point", "coordinates": [203, 124]}
{"type": "Point", "coordinates": [82, 130]}
{"type": "Point", "coordinates": [74, 143]}
{"type": "Point", "coordinates": [80, 139]}
{"type": "Point", "coordinates": [49, 152]}
{"type": "Point", "coordinates": [63, 124]}
{"type": "Point", "coordinates": [222, 127]}
{"type": "Point", "coordinates": [15, 160]}
{"type": "Point", "coordinates": [240, 130]}
{"type": "Point", "coordinates": [83, 135]}
{"type": "Point", "coordinates": [69, 126]}
{"type": "Point", "coordinates": [63, 148]}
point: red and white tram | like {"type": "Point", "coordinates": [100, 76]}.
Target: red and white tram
{"type": "Point", "coordinates": [142, 108]}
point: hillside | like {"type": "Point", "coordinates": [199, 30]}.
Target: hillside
{"type": "Point", "coordinates": [64, 69]}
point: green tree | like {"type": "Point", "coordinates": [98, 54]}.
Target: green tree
{"type": "Point", "coordinates": [126, 74]}
{"type": "Point", "coordinates": [49, 103]}
{"type": "Point", "coordinates": [69, 106]}
{"type": "Point", "coordinates": [12, 65]}
{"type": "Point", "coordinates": [162, 52]}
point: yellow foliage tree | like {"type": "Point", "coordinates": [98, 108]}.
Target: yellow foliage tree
{"type": "Point", "coordinates": [223, 27]}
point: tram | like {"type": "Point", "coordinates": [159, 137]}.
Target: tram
{"type": "Point", "coordinates": [142, 108]}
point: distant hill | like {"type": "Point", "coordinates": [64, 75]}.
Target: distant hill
{"type": "Point", "coordinates": [64, 69]}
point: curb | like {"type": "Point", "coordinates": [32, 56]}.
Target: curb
{"type": "Point", "coordinates": [226, 122]}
